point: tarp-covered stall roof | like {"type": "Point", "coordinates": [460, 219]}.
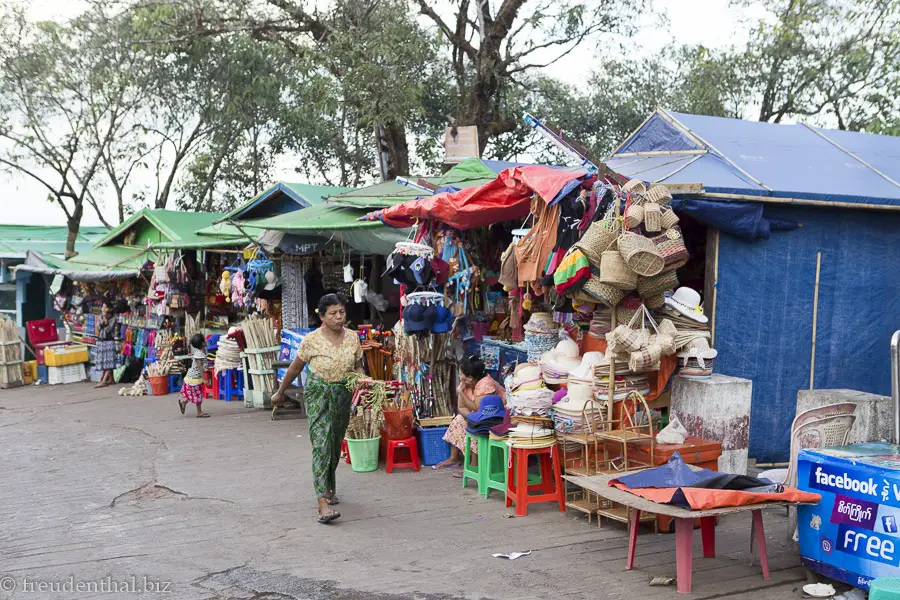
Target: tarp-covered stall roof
{"type": "Point", "coordinates": [469, 173]}
{"type": "Point", "coordinates": [35, 262]}
{"type": "Point", "coordinates": [758, 177]}
{"type": "Point", "coordinates": [505, 198]}
{"type": "Point", "coordinates": [732, 156]}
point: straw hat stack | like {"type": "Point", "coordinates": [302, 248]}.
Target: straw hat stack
{"type": "Point", "coordinates": [556, 364]}
{"type": "Point", "coordinates": [541, 335]}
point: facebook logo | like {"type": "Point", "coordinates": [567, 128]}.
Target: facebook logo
{"type": "Point", "coordinates": [889, 523]}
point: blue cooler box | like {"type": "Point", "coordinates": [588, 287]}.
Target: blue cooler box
{"type": "Point", "coordinates": [853, 534]}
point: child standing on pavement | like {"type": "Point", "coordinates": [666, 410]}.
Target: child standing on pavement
{"type": "Point", "coordinates": [192, 389]}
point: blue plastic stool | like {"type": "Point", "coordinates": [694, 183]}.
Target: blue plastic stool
{"type": "Point", "coordinates": [231, 385]}
{"type": "Point", "coordinates": [175, 383]}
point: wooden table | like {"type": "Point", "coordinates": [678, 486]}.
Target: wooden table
{"type": "Point", "coordinates": [684, 524]}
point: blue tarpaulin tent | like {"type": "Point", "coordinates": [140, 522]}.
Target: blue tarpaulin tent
{"type": "Point", "coordinates": [831, 193]}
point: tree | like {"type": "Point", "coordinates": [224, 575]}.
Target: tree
{"type": "Point", "coordinates": [493, 51]}
{"type": "Point", "coordinates": [60, 110]}
{"type": "Point", "coordinates": [826, 57]}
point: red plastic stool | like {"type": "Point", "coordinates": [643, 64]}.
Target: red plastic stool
{"type": "Point", "coordinates": [409, 444]}
{"type": "Point", "coordinates": [550, 488]}
{"type": "Point", "coordinates": [210, 385]}
{"type": "Point", "coordinates": [345, 450]}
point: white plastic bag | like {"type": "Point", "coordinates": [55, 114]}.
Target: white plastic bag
{"type": "Point", "coordinates": [673, 433]}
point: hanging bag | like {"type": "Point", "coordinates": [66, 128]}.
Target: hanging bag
{"type": "Point", "coordinates": [670, 246]}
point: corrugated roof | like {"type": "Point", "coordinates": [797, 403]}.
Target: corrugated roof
{"type": "Point", "coordinates": [317, 218]}
{"type": "Point", "coordinates": [303, 194]}
{"type": "Point", "coordinates": [16, 240]}
{"type": "Point", "coordinates": [732, 156]}
{"type": "Point", "coordinates": [469, 173]}
{"type": "Point", "coordinates": [179, 228]}
{"type": "Point", "coordinates": [115, 257]}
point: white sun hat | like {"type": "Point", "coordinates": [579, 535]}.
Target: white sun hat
{"type": "Point", "coordinates": [687, 301]}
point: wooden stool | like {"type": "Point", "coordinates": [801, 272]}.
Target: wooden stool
{"type": "Point", "coordinates": [550, 487]}
{"type": "Point", "coordinates": [480, 471]}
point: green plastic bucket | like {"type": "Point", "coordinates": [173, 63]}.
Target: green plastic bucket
{"type": "Point", "coordinates": [363, 454]}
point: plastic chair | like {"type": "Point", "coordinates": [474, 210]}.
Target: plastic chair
{"type": "Point", "coordinates": [479, 472]}
{"type": "Point", "coordinates": [787, 476]}
{"type": "Point", "coordinates": [210, 385]}
{"type": "Point", "coordinates": [885, 588]}
{"type": "Point", "coordinates": [550, 489]}
{"type": "Point", "coordinates": [412, 448]}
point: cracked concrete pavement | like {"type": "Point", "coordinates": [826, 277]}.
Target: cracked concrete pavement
{"type": "Point", "coordinates": [98, 487]}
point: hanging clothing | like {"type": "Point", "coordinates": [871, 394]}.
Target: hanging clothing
{"type": "Point", "coordinates": [328, 410]}
{"type": "Point", "coordinates": [533, 250]}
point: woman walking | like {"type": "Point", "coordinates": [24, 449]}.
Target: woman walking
{"type": "Point", "coordinates": [107, 348]}
{"type": "Point", "coordinates": [332, 352]}
{"type": "Point", "coordinates": [192, 388]}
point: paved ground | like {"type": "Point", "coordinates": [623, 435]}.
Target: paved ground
{"type": "Point", "coordinates": [104, 489]}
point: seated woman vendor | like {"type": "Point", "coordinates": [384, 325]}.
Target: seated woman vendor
{"type": "Point", "coordinates": [474, 384]}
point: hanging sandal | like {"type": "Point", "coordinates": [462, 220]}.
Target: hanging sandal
{"type": "Point", "coordinates": [328, 517]}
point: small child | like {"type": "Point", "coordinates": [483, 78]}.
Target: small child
{"type": "Point", "coordinates": [192, 389]}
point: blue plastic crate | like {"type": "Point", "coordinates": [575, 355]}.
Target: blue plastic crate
{"type": "Point", "coordinates": [43, 374]}
{"type": "Point", "coordinates": [175, 383]}
{"type": "Point", "coordinates": [432, 446]}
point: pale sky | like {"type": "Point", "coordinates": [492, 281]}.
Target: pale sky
{"type": "Point", "coordinates": [712, 23]}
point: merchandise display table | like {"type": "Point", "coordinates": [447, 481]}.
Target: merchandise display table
{"type": "Point", "coordinates": [684, 524]}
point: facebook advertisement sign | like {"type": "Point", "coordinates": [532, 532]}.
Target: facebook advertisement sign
{"type": "Point", "coordinates": [853, 534]}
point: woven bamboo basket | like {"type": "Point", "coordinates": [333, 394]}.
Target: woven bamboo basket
{"type": "Point", "coordinates": [597, 291]}
{"type": "Point", "coordinates": [644, 359]}
{"type": "Point", "coordinates": [668, 218]}
{"type": "Point", "coordinates": [659, 194]}
{"type": "Point", "coordinates": [614, 271]}
{"type": "Point", "coordinates": [654, 301]}
{"type": "Point", "coordinates": [600, 237]}
{"type": "Point", "coordinates": [640, 255]}
{"type": "Point", "coordinates": [652, 217]}
{"type": "Point", "coordinates": [656, 285]}
{"type": "Point", "coordinates": [634, 216]}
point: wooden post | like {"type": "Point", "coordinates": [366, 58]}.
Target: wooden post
{"type": "Point", "coordinates": [812, 361]}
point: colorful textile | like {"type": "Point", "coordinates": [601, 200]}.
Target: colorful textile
{"type": "Point", "coordinates": [192, 393]}
{"type": "Point", "coordinates": [573, 271]}
{"type": "Point", "coordinates": [328, 411]}
{"type": "Point", "coordinates": [105, 355]}
{"type": "Point", "coordinates": [331, 363]}
{"type": "Point", "coordinates": [456, 434]}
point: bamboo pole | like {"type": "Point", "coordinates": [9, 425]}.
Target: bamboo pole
{"type": "Point", "coordinates": [715, 292]}
{"type": "Point", "coordinates": [611, 388]}
{"type": "Point", "coordinates": [812, 361]}
{"type": "Point", "coordinates": [796, 201]}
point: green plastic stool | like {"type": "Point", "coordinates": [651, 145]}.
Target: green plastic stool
{"type": "Point", "coordinates": [498, 459]}
{"type": "Point", "coordinates": [885, 588]}
{"type": "Point", "coordinates": [478, 473]}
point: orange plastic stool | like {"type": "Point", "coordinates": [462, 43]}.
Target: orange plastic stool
{"type": "Point", "coordinates": [550, 488]}
{"type": "Point", "coordinates": [409, 444]}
